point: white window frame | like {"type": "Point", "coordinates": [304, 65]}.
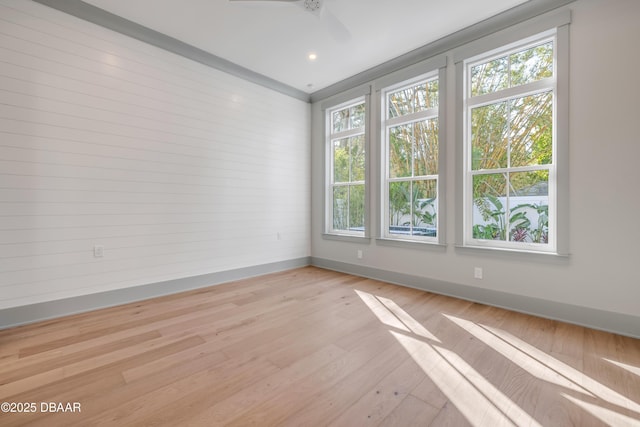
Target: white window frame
{"type": "Point", "coordinates": [549, 84]}
{"type": "Point", "coordinates": [386, 123]}
{"type": "Point", "coordinates": [330, 136]}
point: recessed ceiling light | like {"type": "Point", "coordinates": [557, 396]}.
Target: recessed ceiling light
{"type": "Point", "coordinates": [312, 56]}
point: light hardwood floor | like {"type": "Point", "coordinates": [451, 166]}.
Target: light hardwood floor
{"type": "Point", "coordinates": [310, 347]}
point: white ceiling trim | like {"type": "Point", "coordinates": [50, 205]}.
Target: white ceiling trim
{"type": "Point", "coordinates": [508, 18]}
{"type": "Point", "coordinates": [101, 17]}
{"type": "Point", "coordinates": [515, 15]}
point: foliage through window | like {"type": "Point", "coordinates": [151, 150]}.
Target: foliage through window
{"type": "Point", "coordinates": [346, 144]}
{"type": "Point", "coordinates": [411, 156]}
{"type": "Point", "coordinates": [510, 165]}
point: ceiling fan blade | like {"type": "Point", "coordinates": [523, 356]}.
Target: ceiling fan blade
{"type": "Point", "coordinates": [286, 1]}
{"type": "Point", "coordinates": [337, 29]}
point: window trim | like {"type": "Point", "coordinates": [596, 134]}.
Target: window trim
{"type": "Point", "coordinates": [538, 87]}
{"type": "Point", "coordinates": [436, 70]}
{"type": "Point", "coordinates": [327, 110]}
{"type": "Point", "coordinates": [510, 40]}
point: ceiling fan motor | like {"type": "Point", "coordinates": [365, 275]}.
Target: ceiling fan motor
{"type": "Point", "coordinates": [312, 5]}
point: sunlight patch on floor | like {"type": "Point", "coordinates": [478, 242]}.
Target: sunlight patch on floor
{"type": "Point", "coordinates": [594, 387]}
{"type": "Point", "coordinates": [381, 312]}
{"type": "Point", "coordinates": [479, 401]}
{"type": "Point", "coordinates": [605, 415]}
{"type": "Point", "coordinates": [468, 399]}
{"type": "Point", "coordinates": [500, 400]}
{"type": "Point", "coordinates": [535, 366]}
{"type": "Point", "coordinates": [473, 395]}
{"type": "Point", "coordinates": [415, 326]}
{"type": "Point", "coordinates": [630, 368]}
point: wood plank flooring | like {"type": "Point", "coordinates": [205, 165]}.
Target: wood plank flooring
{"type": "Point", "coordinates": [310, 347]}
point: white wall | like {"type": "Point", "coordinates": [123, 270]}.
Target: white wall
{"type": "Point", "coordinates": [601, 272]}
{"type": "Point", "coordinates": [176, 168]}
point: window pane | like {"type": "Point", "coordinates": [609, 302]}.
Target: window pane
{"type": "Point", "coordinates": [399, 207]}
{"type": "Point", "coordinates": [357, 158]}
{"type": "Point", "coordinates": [420, 98]}
{"type": "Point", "coordinates": [432, 94]}
{"type": "Point", "coordinates": [341, 160]}
{"type": "Point", "coordinates": [414, 99]}
{"type": "Point", "coordinates": [400, 151]}
{"type": "Point", "coordinates": [426, 150]}
{"type": "Point", "coordinates": [532, 64]}
{"type": "Point", "coordinates": [490, 76]}
{"type": "Point", "coordinates": [489, 201]}
{"type": "Point", "coordinates": [340, 208]}
{"type": "Point", "coordinates": [356, 207]}
{"type": "Point", "coordinates": [401, 102]}
{"type": "Point", "coordinates": [356, 116]}
{"type": "Point", "coordinates": [529, 207]}
{"type": "Point", "coordinates": [489, 136]}
{"type": "Point", "coordinates": [425, 96]}
{"type": "Point", "coordinates": [340, 120]}
{"type": "Point", "coordinates": [531, 135]}
{"type": "Point", "coordinates": [425, 207]}
{"type": "Point", "coordinates": [520, 68]}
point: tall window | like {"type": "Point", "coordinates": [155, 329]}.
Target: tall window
{"type": "Point", "coordinates": [411, 160]}
{"type": "Point", "coordinates": [346, 189]}
{"type": "Point", "coordinates": [510, 185]}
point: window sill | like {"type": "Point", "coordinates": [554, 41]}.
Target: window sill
{"type": "Point", "coordinates": [412, 244]}
{"type": "Point", "coordinates": [347, 238]}
{"type": "Point", "coordinates": [512, 253]}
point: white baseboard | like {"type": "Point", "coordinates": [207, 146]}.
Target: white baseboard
{"type": "Point", "coordinates": [618, 323]}
{"type": "Point", "coordinates": [609, 321]}
{"type": "Point", "coordinates": [21, 315]}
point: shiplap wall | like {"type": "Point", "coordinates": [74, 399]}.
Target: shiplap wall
{"type": "Point", "coordinates": [176, 168]}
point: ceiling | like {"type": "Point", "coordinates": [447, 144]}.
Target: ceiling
{"type": "Point", "coordinates": [275, 38]}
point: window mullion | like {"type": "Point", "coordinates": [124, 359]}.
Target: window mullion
{"type": "Point", "coordinates": [347, 133]}
{"type": "Point", "coordinates": [349, 152]}
{"type": "Point", "coordinates": [531, 168]}
{"type": "Point", "coordinates": [507, 210]}
{"type": "Point", "coordinates": [533, 88]}
{"type": "Point", "coordinates": [348, 206]}
{"type": "Point", "coordinates": [411, 210]}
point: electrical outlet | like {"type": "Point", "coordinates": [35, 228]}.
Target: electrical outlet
{"type": "Point", "coordinates": [98, 251]}
{"type": "Point", "coordinates": [477, 273]}
{"type": "Point", "coordinates": [359, 254]}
